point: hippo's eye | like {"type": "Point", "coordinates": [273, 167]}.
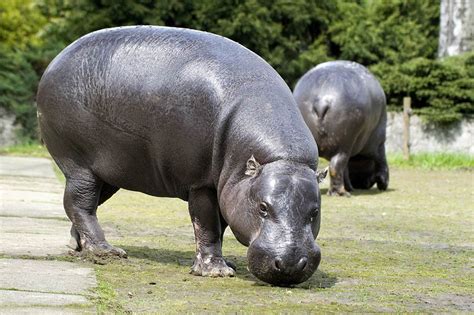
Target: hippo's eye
{"type": "Point", "coordinates": [314, 214]}
{"type": "Point", "coordinates": [263, 209]}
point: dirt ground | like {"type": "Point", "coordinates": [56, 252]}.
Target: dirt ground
{"type": "Point", "coordinates": [409, 249]}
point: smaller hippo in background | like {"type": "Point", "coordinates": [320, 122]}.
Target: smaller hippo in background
{"type": "Point", "coordinates": [344, 106]}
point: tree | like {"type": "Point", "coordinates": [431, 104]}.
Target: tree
{"type": "Point", "coordinates": [290, 35]}
{"type": "Point", "coordinates": [442, 90]}
{"type": "Point", "coordinates": [397, 39]}
{"type": "Point", "coordinates": [456, 28]}
{"type": "Point", "coordinates": [20, 24]}
{"type": "Point", "coordinates": [386, 31]}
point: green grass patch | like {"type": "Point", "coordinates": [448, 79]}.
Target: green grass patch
{"type": "Point", "coordinates": [106, 300]}
{"type": "Point", "coordinates": [404, 250]}
{"type": "Point", "coordinates": [33, 149]}
{"type": "Point", "coordinates": [426, 161]}
{"type": "Point", "coordinates": [433, 161]}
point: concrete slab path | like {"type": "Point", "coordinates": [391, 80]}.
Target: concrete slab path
{"type": "Point", "coordinates": [33, 227]}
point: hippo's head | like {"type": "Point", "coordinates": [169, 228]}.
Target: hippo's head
{"type": "Point", "coordinates": [275, 210]}
{"type": "Point", "coordinates": [363, 173]}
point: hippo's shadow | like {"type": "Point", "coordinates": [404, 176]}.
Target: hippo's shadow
{"type": "Point", "coordinates": [362, 192]}
{"type": "Point", "coordinates": [372, 191]}
{"type": "Point", "coordinates": [319, 279]}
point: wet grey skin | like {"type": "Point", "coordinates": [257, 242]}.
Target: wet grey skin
{"type": "Point", "coordinates": [344, 106]}
{"type": "Point", "coordinates": [180, 113]}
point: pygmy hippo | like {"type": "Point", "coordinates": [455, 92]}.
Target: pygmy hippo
{"type": "Point", "coordinates": [174, 112]}
{"type": "Point", "coordinates": [344, 106]}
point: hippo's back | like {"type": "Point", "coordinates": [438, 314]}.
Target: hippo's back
{"type": "Point", "coordinates": [120, 74]}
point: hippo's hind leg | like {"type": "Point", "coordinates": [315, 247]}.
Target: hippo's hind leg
{"type": "Point", "coordinates": [205, 215]}
{"type": "Point", "coordinates": [81, 198]}
{"type": "Point", "coordinates": [337, 168]}
{"type": "Point", "coordinates": [347, 180]}
{"type": "Point", "coordinates": [381, 169]}
{"type": "Point", "coordinates": [105, 193]}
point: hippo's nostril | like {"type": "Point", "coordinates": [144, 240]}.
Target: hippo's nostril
{"type": "Point", "coordinates": [302, 263]}
{"type": "Point", "coordinates": [278, 264]}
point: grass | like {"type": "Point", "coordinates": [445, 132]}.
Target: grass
{"type": "Point", "coordinates": [33, 149]}
{"type": "Point", "coordinates": [408, 249]}
{"type": "Point", "coordinates": [106, 300]}
{"type": "Point", "coordinates": [432, 161]}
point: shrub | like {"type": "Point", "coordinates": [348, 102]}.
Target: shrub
{"type": "Point", "coordinates": [442, 91]}
{"type": "Point", "coordinates": [17, 89]}
{"type": "Point", "coordinates": [20, 24]}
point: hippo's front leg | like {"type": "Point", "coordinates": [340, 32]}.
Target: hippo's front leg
{"type": "Point", "coordinates": [204, 211]}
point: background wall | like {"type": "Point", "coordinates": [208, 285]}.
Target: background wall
{"type": "Point", "coordinates": [8, 129]}
{"type": "Point", "coordinates": [456, 137]}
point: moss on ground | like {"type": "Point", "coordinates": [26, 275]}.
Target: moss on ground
{"type": "Point", "coordinates": [408, 249]}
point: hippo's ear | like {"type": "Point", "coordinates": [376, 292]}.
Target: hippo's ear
{"type": "Point", "coordinates": [321, 175]}
{"type": "Point", "coordinates": [253, 167]}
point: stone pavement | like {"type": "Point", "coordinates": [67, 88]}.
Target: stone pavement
{"type": "Point", "coordinates": [33, 229]}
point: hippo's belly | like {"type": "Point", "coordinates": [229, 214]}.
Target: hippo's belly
{"type": "Point", "coordinates": [161, 163]}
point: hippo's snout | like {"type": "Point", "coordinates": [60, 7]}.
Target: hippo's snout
{"type": "Point", "coordinates": [282, 266]}
{"type": "Point", "coordinates": [293, 265]}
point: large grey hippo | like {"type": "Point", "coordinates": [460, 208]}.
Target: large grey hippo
{"type": "Point", "coordinates": [181, 113]}
{"type": "Point", "coordinates": [344, 106]}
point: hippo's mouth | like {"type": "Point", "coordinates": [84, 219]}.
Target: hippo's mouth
{"type": "Point", "coordinates": [285, 270]}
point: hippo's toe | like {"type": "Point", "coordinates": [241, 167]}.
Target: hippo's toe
{"type": "Point", "coordinates": [212, 267]}
{"type": "Point", "coordinates": [102, 249]}
{"type": "Point", "coordinates": [338, 192]}
{"type": "Point", "coordinates": [109, 250]}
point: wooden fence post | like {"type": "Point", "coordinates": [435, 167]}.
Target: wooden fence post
{"type": "Point", "coordinates": [406, 127]}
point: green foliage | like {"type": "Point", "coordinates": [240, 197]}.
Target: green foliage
{"type": "Point", "coordinates": [442, 91]}
{"type": "Point", "coordinates": [386, 31]}
{"type": "Point", "coordinates": [397, 39]}
{"type": "Point", "coordinates": [290, 35]}
{"type": "Point", "coordinates": [20, 24]}
{"type": "Point", "coordinates": [17, 85]}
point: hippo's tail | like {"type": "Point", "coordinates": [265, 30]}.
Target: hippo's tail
{"type": "Point", "coordinates": [322, 106]}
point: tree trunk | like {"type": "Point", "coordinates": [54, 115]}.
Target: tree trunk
{"type": "Point", "coordinates": [456, 34]}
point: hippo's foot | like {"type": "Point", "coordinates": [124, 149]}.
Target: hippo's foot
{"type": "Point", "coordinates": [338, 192]}
{"type": "Point", "coordinates": [212, 267]}
{"type": "Point", "coordinates": [382, 181]}
{"type": "Point", "coordinates": [102, 249]}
